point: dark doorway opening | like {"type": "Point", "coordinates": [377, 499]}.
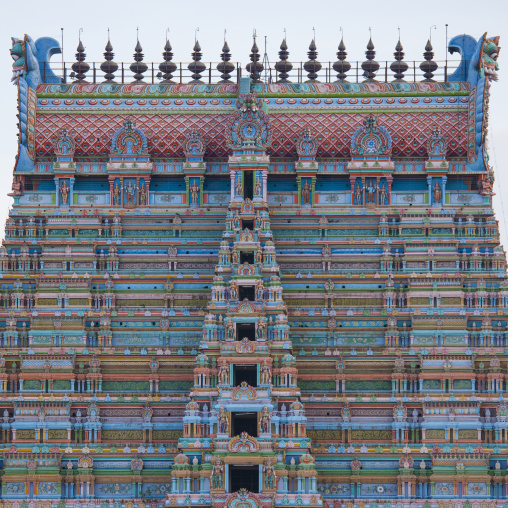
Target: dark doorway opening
{"type": "Point", "coordinates": [246, 292]}
{"type": "Point", "coordinates": [244, 422]}
{"type": "Point", "coordinates": [246, 330]}
{"type": "Point", "coordinates": [248, 224]}
{"type": "Point", "coordinates": [247, 256]}
{"type": "Point", "coordinates": [244, 477]}
{"type": "Point", "coordinates": [248, 185]}
{"type": "Point", "coordinates": [247, 373]}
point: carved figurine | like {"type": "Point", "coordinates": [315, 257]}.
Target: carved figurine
{"type": "Point", "coordinates": [437, 193]}
{"type": "Point", "coordinates": [257, 186]}
{"type": "Point", "coordinates": [382, 194]}
{"type": "Point", "coordinates": [142, 195]}
{"type": "Point", "coordinates": [306, 193]}
{"type": "Point", "coordinates": [264, 422]}
{"type": "Point", "coordinates": [358, 195]}
{"type": "Point", "coordinates": [223, 421]}
{"type": "Point", "coordinates": [269, 474]}
{"type": "Point", "coordinates": [130, 193]}
{"type": "Point", "coordinates": [64, 192]}
{"type": "Point", "coordinates": [266, 373]}
{"type": "Point", "coordinates": [217, 472]}
{"type": "Point", "coordinates": [194, 190]}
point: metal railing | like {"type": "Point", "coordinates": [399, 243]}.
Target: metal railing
{"type": "Point", "coordinates": [269, 75]}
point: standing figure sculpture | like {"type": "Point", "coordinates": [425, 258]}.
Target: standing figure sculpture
{"type": "Point", "coordinates": [239, 186]}
{"type": "Point", "coordinates": [64, 192]}
{"type": "Point", "coordinates": [130, 190]}
{"type": "Point", "coordinates": [382, 194]}
{"type": "Point", "coordinates": [437, 193]}
{"type": "Point", "coordinates": [223, 421]}
{"type": "Point", "coordinates": [116, 194]}
{"type": "Point", "coordinates": [194, 190]}
{"type": "Point", "coordinates": [269, 474]}
{"type": "Point", "coordinates": [142, 195]}
{"type": "Point", "coordinates": [306, 193]}
{"type": "Point", "coordinates": [257, 187]}
{"type": "Point", "coordinates": [216, 477]}
{"type": "Point", "coordinates": [358, 195]}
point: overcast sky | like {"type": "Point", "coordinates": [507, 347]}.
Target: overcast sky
{"type": "Point", "coordinates": [239, 18]}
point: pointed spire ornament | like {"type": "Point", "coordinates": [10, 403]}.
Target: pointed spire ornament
{"type": "Point", "coordinates": [370, 66]}
{"type": "Point", "coordinates": [428, 66]}
{"type": "Point", "coordinates": [167, 67]}
{"type": "Point", "coordinates": [399, 66]}
{"type": "Point", "coordinates": [312, 66]}
{"type": "Point", "coordinates": [341, 66]}
{"type": "Point", "coordinates": [138, 67]}
{"type": "Point", "coordinates": [255, 67]}
{"type": "Point", "coordinates": [225, 67]}
{"type": "Point", "coordinates": [196, 66]}
{"type": "Point", "coordinates": [283, 66]}
{"type": "Point", "coordinates": [109, 67]}
{"type": "Point", "coordinates": [80, 67]}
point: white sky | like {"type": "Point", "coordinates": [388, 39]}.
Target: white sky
{"type": "Point", "coordinates": [239, 18]}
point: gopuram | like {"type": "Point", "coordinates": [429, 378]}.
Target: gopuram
{"type": "Point", "coordinates": [253, 286]}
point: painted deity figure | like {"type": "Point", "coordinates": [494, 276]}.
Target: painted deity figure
{"type": "Point", "coordinates": [236, 221]}
{"type": "Point", "coordinates": [257, 221]}
{"type": "Point", "coordinates": [142, 195]}
{"type": "Point", "coordinates": [194, 190]}
{"type": "Point", "coordinates": [306, 193]}
{"type": "Point", "coordinates": [437, 193]}
{"type": "Point", "coordinates": [260, 329]}
{"type": "Point", "coordinates": [371, 191]}
{"type": "Point", "coordinates": [382, 194]}
{"type": "Point", "coordinates": [264, 422]}
{"type": "Point", "coordinates": [239, 186]}
{"type": "Point", "coordinates": [265, 373]}
{"type": "Point", "coordinates": [217, 472]}
{"type": "Point", "coordinates": [116, 194]}
{"type": "Point", "coordinates": [257, 186]}
{"type": "Point", "coordinates": [130, 193]}
{"type": "Point", "coordinates": [64, 192]}
{"type": "Point", "coordinates": [269, 474]}
{"type": "Point", "coordinates": [223, 421]}
{"type": "Point", "coordinates": [358, 195]}
{"type": "Point", "coordinates": [258, 256]}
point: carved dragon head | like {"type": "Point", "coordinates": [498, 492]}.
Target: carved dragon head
{"type": "Point", "coordinates": [489, 54]}
{"type": "Point", "coordinates": [18, 54]}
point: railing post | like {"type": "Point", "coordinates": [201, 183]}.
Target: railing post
{"type": "Point", "coordinates": [123, 74]}
{"type": "Point", "coordinates": [65, 74]}
{"type": "Point", "coordinates": [181, 81]}
{"type": "Point", "coordinates": [414, 71]}
{"type": "Point", "coordinates": [210, 73]}
{"type": "Point", "coordinates": [357, 71]}
{"type": "Point", "coordinates": [386, 71]}
{"type": "Point", "coordinates": [94, 73]}
{"type": "Point", "coordinates": [446, 73]}
{"type": "Point", "coordinates": [153, 75]}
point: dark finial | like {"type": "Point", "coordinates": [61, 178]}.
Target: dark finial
{"type": "Point", "coordinates": [109, 67]}
{"type": "Point", "coordinates": [138, 67]}
{"type": "Point", "coordinates": [283, 66]}
{"type": "Point", "coordinates": [255, 67]}
{"type": "Point", "coordinates": [399, 66]}
{"type": "Point", "coordinates": [370, 66]}
{"type": "Point", "coordinates": [341, 66]}
{"type": "Point", "coordinates": [312, 66]}
{"type": "Point", "coordinates": [196, 66]}
{"type": "Point", "coordinates": [80, 67]}
{"type": "Point", "coordinates": [225, 67]}
{"type": "Point", "coordinates": [167, 67]}
{"type": "Point", "coordinates": [428, 66]}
